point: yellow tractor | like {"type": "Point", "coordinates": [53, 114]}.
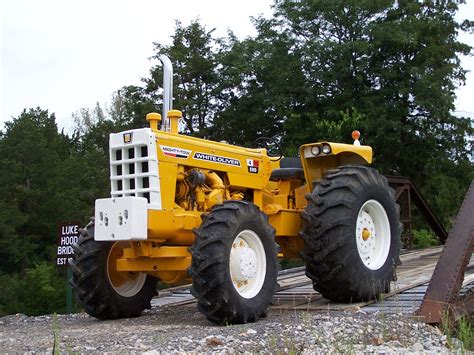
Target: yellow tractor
{"type": "Point", "coordinates": [188, 209]}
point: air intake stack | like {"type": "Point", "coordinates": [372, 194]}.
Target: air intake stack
{"type": "Point", "coordinates": [167, 91]}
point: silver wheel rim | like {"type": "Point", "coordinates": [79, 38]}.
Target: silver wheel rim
{"type": "Point", "coordinates": [247, 264]}
{"type": "Point", "coordinates": [132, 287]}
{"type": "Point", "coordinates": [373, 234]}
{"type": "Point", "coordinates": [126, 284]}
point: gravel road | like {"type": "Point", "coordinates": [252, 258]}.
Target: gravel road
{"type": "Point", "coordinates": [174, 329]}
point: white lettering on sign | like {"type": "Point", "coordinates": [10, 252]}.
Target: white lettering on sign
{"type": "Point", "coordinates": [68, 240]}
{"type": "Point", "coordinates": [68, 235]}
{"type": "Point", "coordinates": [67, 250]}
{"type": "Point", "coordinates": [68, 230]}
{"type": "Point", "coordinates": [61, 261]}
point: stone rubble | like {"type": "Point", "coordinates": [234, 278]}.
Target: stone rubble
{"type": "Point", "coordinates": [175, 330]}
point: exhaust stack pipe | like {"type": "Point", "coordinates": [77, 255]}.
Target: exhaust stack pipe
{"type": "Point", "coordinates": [167, 91]}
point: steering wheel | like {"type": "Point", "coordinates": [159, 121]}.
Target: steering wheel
{"type": "Point", "coordinates": [272, 145]}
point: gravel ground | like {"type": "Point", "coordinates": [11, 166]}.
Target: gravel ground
{"type": "Point", "coordinates": [172, 329]}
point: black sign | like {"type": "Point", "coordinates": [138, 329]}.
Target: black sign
{"type": "Point", "coordinates": [67, 236]}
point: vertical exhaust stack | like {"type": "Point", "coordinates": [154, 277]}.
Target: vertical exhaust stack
{"type": "Point", "coordinates": [167, 91]}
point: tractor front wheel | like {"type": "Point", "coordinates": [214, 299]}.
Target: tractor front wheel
{"type": "Point", "coordinates": [104, 292]}
{"type": "Point", "coordinates": [351, 234]}
{"type": "Point", "coordinates": [234, 265]}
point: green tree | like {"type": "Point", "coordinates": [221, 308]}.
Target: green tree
{"type": "Point", "coordinates": [130, 105]}
{"type": "Point", "coordinates": [388, 68]}
{"type": "Point", "coordinates": [91, 146]}
{"type": "Point", "coordinates": [418, 69]}
{"type": "Point", "coordinates": [263, 83]}
{"type": "Point", "coordinates": [31, 153]}
{"type": "Point", "coordinates": [395, 62]}
{"type": "Point", "coordinates": [46, 178]}
{"type": "Point", "coordinates": [85, 118]}
{"type": "Point", "coordinates": [196, 83]}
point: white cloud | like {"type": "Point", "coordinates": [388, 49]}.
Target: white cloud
{"type": "Point", "coordinates": [63, 55]}
{"type": "Point", "coordinates": [464, 102]}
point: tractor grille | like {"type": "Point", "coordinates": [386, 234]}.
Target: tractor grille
{"type": "Point", "coordinates": [134, 166]}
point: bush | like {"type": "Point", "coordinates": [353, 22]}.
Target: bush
{"type": "Point", "coordinates": [41, 290]}
{"type": "Point", "coordinates": [423, 239]}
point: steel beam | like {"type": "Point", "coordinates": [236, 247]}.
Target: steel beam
{"type": "Point", "coordinates": [443, 290]}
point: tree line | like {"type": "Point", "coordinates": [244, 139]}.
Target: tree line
{"type": "Point", "coordinates": [315, 70]}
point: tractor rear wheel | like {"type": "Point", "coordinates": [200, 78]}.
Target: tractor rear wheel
{"type": "Point", "coordinates": [234, 265]}
{"type": "Point", "coordinates": [104, 292]}
{"type": "Point", "coordinates": [351, 232]}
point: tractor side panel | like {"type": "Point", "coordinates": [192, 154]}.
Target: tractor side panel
{"type": "Point", "coordinates": [286, 223]}
{"type": "Point", "coordinates": [252, 164]}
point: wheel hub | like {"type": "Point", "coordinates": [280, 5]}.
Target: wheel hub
{"type": "Point", "coordinates": [243, 261]}
{"type": "Point", "coordinates": [365, 233]}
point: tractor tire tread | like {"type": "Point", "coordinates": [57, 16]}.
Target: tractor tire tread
{"type": "Point", "coordinates": [92, 286]}
{"type": "Point", "coordinates": [328, 224]}
{"type": "Point", "coordinates": [209, 269]}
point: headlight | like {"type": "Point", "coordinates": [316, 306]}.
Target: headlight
{"type": "Point", "coordinates": [326, 148]}
{"type": "Point", "coordinates": [315, 150]}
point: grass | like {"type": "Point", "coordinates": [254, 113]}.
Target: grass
{"type": "Point", "coordinates": [56, 335]}
{"type": "Point", "coordinates": [464, 332]}
{"type": "Point", "coordinates": [160, 339]}
{"type": "Point", "coordinates": [345, 344]}
{"type": "Point", "coordinates": [291, 346]}
{"type": "Point", "coordinates": [273, 341]}
{"type": "Point", "coordinates": [306, 319]}
{"type": "Point", "coordinates": [383, 317]}
{"type": "Point", "coordinates": [460, 329]}
{"type": "Point", "coordinates": [56, 330]}
{"type": "Point", "coordinates": [284, 344]}
{"type": "Point", "coordinates": [446, 326]}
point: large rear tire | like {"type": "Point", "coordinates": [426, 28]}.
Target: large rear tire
{"type": "Point", "coordinates": [104, 292]}
{"type": "Point", "coordinates": [234, 266]}
{"type": "Point", "coordinates": [351, 232]}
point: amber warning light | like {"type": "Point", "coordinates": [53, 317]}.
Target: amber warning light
{"type": "Point", "coordinates": [355, 137]}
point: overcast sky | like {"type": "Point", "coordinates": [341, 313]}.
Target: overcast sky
{"type": "Point", "coordinates": [63, 55]}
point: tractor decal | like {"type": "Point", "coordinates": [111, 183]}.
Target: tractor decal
{"type": "Point", "coordinates": [127, 137]}
{"type": "Point", "coordinates": [216, 159]}
{"type": "Point", "coordinates": [175, 152]}
{"type": "Point", "coordinates": [252, 166]}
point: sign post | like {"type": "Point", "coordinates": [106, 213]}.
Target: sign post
{"type": "Point", "coordinates": [67, 236]}
{"type": "Point", "coordinates": [68, 291]}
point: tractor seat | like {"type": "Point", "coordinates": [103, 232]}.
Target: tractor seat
{"type": "Point", "coordinates": [290, 168]}
{"type": "Point", "coordinates": [291, 163]}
